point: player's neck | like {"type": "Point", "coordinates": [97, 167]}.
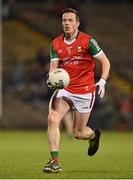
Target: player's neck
{"type": "Point", "coordinates": [71, 37]}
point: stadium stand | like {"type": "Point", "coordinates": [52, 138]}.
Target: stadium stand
{"type": "Point", "coordinates": [104, 16]}
{"type": "Point", "coordinates": [20, 41]}
{"type": "Point", "coordinates": [19, 37]}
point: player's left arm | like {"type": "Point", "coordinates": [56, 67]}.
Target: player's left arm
{"type": "Point", "coordinates": [102, 58]}
{"type": "Point", "coordinates": [99, 55]}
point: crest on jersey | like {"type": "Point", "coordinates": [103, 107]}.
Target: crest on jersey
{"type": "Point", "coordinates": [79, 48]}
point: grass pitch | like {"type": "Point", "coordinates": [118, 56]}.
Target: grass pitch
{"type": "Point", "coordinates": [24, 153]}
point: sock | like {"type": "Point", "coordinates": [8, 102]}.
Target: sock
{"type": "Point", "coordinates": [54, 155]}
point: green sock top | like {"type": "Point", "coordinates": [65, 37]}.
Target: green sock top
{"type": "Point", "coordinates": [54, 154]}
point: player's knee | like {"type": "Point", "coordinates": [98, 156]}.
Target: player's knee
{"type": "Point", "coordinates": [53, 118]}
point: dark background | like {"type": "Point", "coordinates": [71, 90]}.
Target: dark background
{"type": "Point", "coordinates": [27, 30]}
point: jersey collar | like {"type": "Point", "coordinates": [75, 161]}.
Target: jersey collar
{"type": "Point", "coordinates": [70, 41]}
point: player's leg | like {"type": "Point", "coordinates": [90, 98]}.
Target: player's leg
{"type": "Point", "coordinates": [68, 120]}
{"type": "Point", "coordinates": [57, 110]}
{"type": "Point", "coordinates": [56, 113]}
{"type": "Point", "coordinates": [84, 104]}
{"type": "Point", "coordinates": [81, 131]}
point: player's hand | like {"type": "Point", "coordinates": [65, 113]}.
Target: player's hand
{"type": "Point", "coordinates": [49, 84]}
{"type": "Point", "coordinates": [101, 85]}
{"type": "Point", "coordinates": [57, 86]}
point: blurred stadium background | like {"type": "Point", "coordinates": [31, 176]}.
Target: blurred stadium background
{"type": "Point", "coordinates": [28, 27]}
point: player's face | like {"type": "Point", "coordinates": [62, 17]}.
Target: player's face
{"type": "Point", "coordinates": [69, 23]}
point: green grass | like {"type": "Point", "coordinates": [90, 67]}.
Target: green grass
{"type": "Point", "coordinates": [24, 153]}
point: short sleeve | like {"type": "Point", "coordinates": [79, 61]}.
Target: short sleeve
{"type": "Point", "coordinates": [53, 54]}
{"type": "Point", "coordinates": [94, 48]}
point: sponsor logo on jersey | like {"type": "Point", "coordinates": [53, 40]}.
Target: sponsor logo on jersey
{"type": "Point", "coordinates": [72, 60]}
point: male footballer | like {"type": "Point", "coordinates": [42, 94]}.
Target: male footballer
{"type": "Point", "coordinates": [76, 52]}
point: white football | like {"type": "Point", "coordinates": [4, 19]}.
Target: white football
{"type": "Point", "coordinates": [59, 78]}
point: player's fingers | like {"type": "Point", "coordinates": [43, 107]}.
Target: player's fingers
{"type": "Point", "coordinates": [99, 91]}
{"type": "Point", "coordinates": [102, 93]}
{"type": "Point", "coordinates": [97, 84]}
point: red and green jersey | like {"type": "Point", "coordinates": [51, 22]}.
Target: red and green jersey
{"type": "Point", "coordinates": [77, 59]}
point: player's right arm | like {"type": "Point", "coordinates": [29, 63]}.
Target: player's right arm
{"type": "Point", "coordinates": [54, 64]}
{"type": "Point", "coordinates": [54, 60]}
